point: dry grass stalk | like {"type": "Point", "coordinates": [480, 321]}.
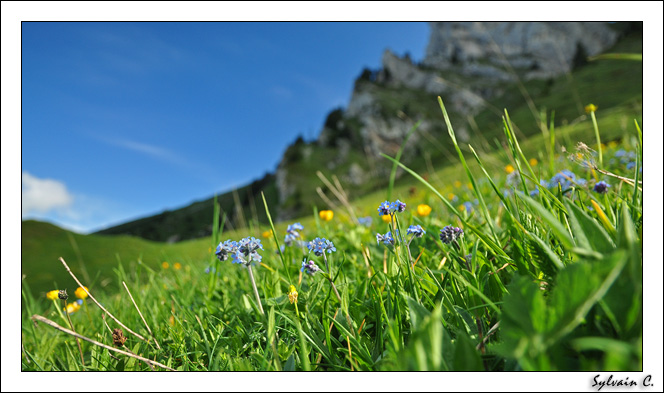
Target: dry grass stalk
{"type": "Point", "coordinates": [139, 313]}
{"type": "Point", "coordinates": [99, 304]}
{"type": "Point", "coordinates": [65, 330]}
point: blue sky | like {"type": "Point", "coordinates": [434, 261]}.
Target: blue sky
{"type": "Point", "coordinates": [125, 120]}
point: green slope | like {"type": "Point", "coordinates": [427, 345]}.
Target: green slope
{"type": "Point", "coordinates": [93, 258]}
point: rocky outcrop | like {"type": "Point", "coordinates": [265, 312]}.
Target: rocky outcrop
{"type": "Point", "coordinates": [542, 49]}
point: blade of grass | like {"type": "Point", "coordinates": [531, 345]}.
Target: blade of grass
{"type": "Point", "coordinates": [478, 194]}
{"type": "Point", "coordinates": [274, 235]}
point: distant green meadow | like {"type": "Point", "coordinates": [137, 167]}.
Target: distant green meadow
{"type": "Point", "coordinates": [528, 258]}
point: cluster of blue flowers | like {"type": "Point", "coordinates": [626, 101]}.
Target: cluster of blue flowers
{"type": "Point", "coordinates": [293, 233]}
{"type": "Point", "coordinates": [320, 245]}
{"type": "Point", "coordinates": [309, 267]}
{"type": "Point", "coordinates": [391, 207]}
{"type": "Point", "coordinates": [627, 158]}
{"type": "Point", "coordinates": [566, 179]}
{"type": "Point", "coordinates": [416, 231]}
{"type": "Point", "coordinates": [387, 239]}
{"type": "Point", "coordinates": [243, 252]}
{"type": "Point", "coordinates": [450, 234]}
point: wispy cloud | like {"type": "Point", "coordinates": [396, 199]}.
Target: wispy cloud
{"type": "Point", "coordinates": [281, 92]}
{"type": "Point", "coordinates": [160, 153]}
{"type": "Point", "coordinates": [150, 150]}
{"type": "Point", "coordinates": [43, 195]}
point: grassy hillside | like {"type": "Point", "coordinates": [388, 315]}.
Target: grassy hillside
{"type": "Point", "coordinates": [193, 221]}
{"type": "Point", "coordinates": [93, 257]}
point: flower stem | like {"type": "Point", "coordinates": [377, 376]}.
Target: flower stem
{"type": "Point", "coordinates": [253, 283]}
{"type": "Point", "coordinates": [74, 330]}
{"type": "Point", "coordinates": [327, 268]}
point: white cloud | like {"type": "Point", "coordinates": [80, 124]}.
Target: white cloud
{"type": "Point", "coordinates": [43, 195]}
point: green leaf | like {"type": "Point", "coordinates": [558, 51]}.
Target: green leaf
{"type": "Point", "coordinates": [523, 321]}
{"type": "Point", "coordinates": [417, 312]}
{"type": "Point", "coordinates": [579, 286]}
{"type": "Point", "coordinates": [553, 257]}
{"type": "Point", "coordinates": [466, 357]}
{"type": "Point", "coordinates": [588, 232]}
{"type": "Point", "coordinates": [556, 227]}
{"type": "Point", "coordinates": [290, 363]}
{"type": "Point", "coordinates": [426, 346]}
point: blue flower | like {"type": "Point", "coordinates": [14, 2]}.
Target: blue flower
{"type": "Point", "coordinates": [320, 245]}
{"type": "Point", "coordinates": [225, 248]}
{"type": "Point", "coordinates": [416, 230]}
{"type": "Point", "coordinates": [366, 221]}
{"type": "Point", "coordinates": [387, 239]}
{"type": "Point", "coordinates": [384, 208]}
{"type": "Point", "coordinates": [564, 178]}
{"type": "Point", "coordinates": [601, 187]}
{"type": "Point", "coordinates": [309, 267]}
{"type": "Point", "coordinates": [247, 251]}
{"type": "Point", "coordinates": [398, 206]}
{"type": "Point", "coordinates": [450, 234]}
{"type": "Point", "coordinates": [292, 233]}
{"type": "Point", "coordinates": [631, 165]}
{"type": "Point", "coordinates": [295, 227]}
{"type": "Point", "coordinates": [391, 208]}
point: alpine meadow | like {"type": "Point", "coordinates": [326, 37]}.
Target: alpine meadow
{"type": "Point", "coordinates": [494, 231]}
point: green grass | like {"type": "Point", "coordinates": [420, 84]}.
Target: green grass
{"type": "Point", "coordinates": [551, 282]}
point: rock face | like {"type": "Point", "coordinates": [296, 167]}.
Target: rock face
{"type": "Point", "coordinates": [545, 49]}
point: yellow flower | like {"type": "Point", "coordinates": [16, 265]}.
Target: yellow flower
{"type": "Point", "coordinates": [423, 210]}
{"type": "Point", "coordinates": [267, 234]}
{"type": "Point", "coordinates": [177, 266]}
{"type": "Point", "coordinates": [533, 162]}
{"type": "Point", "coordinates": [80, 292]}
{"type": "Point", "coordinates": [509, 168]}
{"type": "Point", "coordinates": [450, 196]}
{"type": "Point", "coordinates": [72, 307]}
{"type": "Point", "coordinates": [457, 184]}
{"type": "Point", "coordinates": [386, 218]}
{"type": "Point", "coordinates": [292, 294]}
{"type": "Point", "coordinates": [461, 207]}
{"type": "Point", "coordinates": [326, 215]}
{"type": "Point", "coordinates": [613, 144]}
{"type": "Point", "coordinates": [53, 295]}
{"type": "Point", "coordinates": [164, 265]}
{"type": "Point", "coordinates": [590, 108]}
